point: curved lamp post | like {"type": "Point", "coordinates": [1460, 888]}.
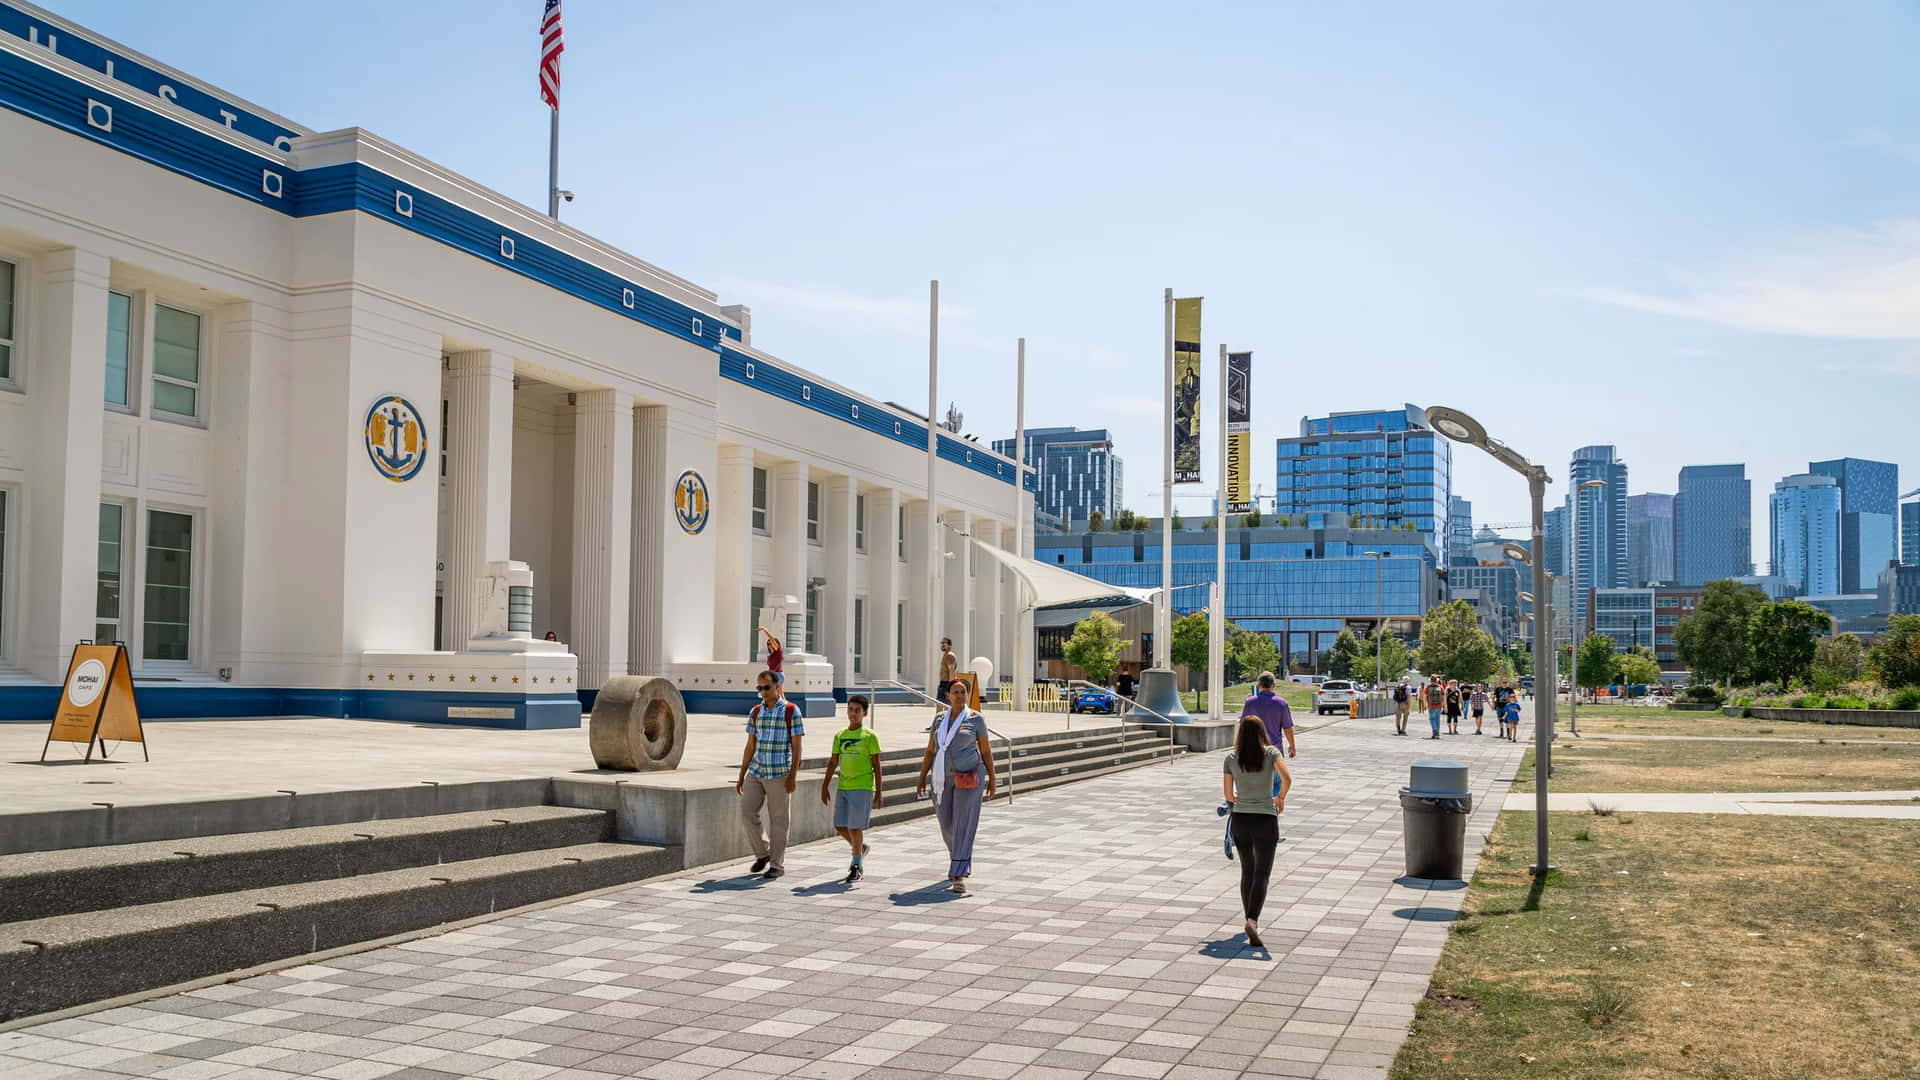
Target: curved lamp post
{"type": "Point", "coordinates": [1460, 427]}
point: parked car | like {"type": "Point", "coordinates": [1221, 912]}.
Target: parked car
{"type": "Point", "coordinates": [1333, 696]}
{"type": "Point", "coordinates": [1307, 680]}
{"type": "Point", "coordinates": [1088, 700]}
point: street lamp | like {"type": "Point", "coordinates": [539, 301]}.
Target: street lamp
{"type": "Point", "coordinates": [1460, 427]}
{"type": "Point", "coordinates": [1379, 614]}
{"type": "Point", "coordinates": [1573, 663]}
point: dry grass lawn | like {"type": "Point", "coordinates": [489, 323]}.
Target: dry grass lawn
{"type": "Point", "coordinates": [1655, 765]}
{"type": "Point", "coordinates": [1633, 720]}
{"type": "Point", "coordinates": [1715, 946]}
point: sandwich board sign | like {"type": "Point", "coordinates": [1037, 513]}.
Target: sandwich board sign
{"type": "Point", "coordinates": [96, 702]}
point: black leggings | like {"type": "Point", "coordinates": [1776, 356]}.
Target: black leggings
{"type": "Point", "coordinates": [1254, 837]}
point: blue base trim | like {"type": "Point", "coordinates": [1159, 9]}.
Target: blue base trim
{"type": "Point", "coordinates": [36, 704]}
{"type": "Point", "coordinates": [737, 702]}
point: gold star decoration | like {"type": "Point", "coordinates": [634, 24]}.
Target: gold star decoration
{"type": "Point", "coordinates": [569, 680]}
{"type": "Point", "coordinates": [516, 680]}
{"type": "Point", "coordinates": [389, 676]}
{"type": "Point", "coordinates": [409, 676]}
{"type": "Point", "coordinates": [369, 676]}
{"type": "Point", "coordinates": [493, 678]}
{"type": "Point", "coordinates": [473, 678]}
{"type": "Point", "coordinates": [429, 678]}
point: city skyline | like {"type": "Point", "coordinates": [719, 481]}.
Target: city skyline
{"type": "Point", "coordinates": [1684, 284]}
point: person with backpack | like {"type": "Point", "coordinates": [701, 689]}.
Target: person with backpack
{"type": "Point", "coordinates": [1433, 697]}
{"type": "Point", "coordinates": [1453, 708]}
{"type": "Point", "coordinates": [1402, 707]}
{"type": "Point", "coordinates": [769, 768]}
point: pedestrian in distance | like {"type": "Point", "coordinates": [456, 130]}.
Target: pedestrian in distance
{"type": "Point", "coordinates": [949, 665]}
{"type": "Point", "coordinates": [1402, 706]}
{"type": "Point", "coordinates": [957, 757]}
{"type": "Point", "coordinates": [1433, 697]}
{"type": "Point", "coordinates": [856, 757]}
{"type": "Point", "coordinates": [1255, 780]}
{"type": "Point", "coordinates": [1276, 721]}
{"type": "Point", "coordinates": [769, 768]}
{"type": "Point", "coordinates": [1453, 708]}
{"type": "Point", "coordinates": [776, 656]}
{"type": "Point", "coordinates": [1479, 703]}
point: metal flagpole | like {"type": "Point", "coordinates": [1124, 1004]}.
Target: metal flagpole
{"type": "Point", "coordinates": [934, 565]}
{"type": "Point", "coordinates": [1217, 625]}
{"type": "Point", "coordinates": [1163, 619]}
{"type": "Point", "coordinates": [1021, 668]}
{"type": "Point", "coordinates": [553, 162]}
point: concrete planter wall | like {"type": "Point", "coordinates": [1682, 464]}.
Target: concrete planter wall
{"type": "Point", "coordinates": [1867, 717]}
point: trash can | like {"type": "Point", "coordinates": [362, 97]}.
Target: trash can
{"type": "Point", "coordinates": [1433, 812]}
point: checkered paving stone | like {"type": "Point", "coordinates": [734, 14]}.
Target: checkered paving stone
{"type": "Point", "coordinates": [1101, 936]}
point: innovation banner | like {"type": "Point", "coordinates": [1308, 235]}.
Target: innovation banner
{"type": "Point", "coordinates": [1186, 391]}
{"type": "Point", "coordinates": [1239, 432]}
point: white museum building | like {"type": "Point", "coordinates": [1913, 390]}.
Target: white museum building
{"type": "Point", "coordinates": [281, 409]}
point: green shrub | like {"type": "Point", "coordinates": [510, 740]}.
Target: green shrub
{"type": "Point", "coordinates": [1845, 701]}
{"type": "Point", "coordinates": [1907, 697]}
{"type": "Point", "coordinates": [1807, 701]}
{"type": "Point", "coordinates": [1703, 695]}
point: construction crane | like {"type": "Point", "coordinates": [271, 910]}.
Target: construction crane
{"type": "Point", "coordinates": [1909, 495]}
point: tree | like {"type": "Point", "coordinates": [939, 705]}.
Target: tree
{"type": "Point", "coordinates": [1249, 653]}
{"type": "Point", "coordinates": [1782, 637]}
{"type": "Point", "coordinates": [1095, 646]}
{"type": "Point", "coordinates": [1342, 661]}
{"type": "Point", "coordinates": [1177, 523]}
{"type": "Point", "coordinates": [1096, 522]}
{"type": "Point", "coordinates": [1190, 641]}
{"type": "Point", "coordinates": [1596, 661]}
{"type": "Point", "coordinates": [1713, 641]}
{"type": "Point", "coordinates": [1252, 518]}
{"type": "Point", "coordinates": [1634, 668]}
{"type": "Point", "coordinates": [1836, 662]}
{"type": "Point", "coordinates": [1521, 659]}
{"type": "Point", "coordinates": [1895, 658]}
{"type": "Point", "coordinates": [1392, 658]}
{"type": "Point", "coordinates": [1123, 521]}
{"type": "Point", "coordinates": [1453, 646]}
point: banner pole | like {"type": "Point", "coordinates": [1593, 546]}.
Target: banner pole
{"type": "Point", "coordinates": [1163, 619]}
{"type": "Point", "coordinates": [1022, 669]}
{"type": "Point", "coordinates": [1217, 626]}
{"type": "Point", "coordinates": [935, 570]}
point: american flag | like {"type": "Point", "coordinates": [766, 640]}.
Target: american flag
{"type": "Point", "coordinates": [550, 48]}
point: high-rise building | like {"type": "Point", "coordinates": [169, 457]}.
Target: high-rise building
{"type": "Point", "coordinates": [1805, 514]}
{"type": "Point", "coordinates": [1869, 531]}
{"type": "Point", "coordinates": [1712, 524]}
{"type": "Point", "coordinates": [1459, 529]}
{"type": "Point", "coordinates": [1554, 537]}
{"type": "Point", "coordinates": [1078, 473]}
{"type": "Point", "coordinates": [1649, 539]}
{"type": "Point", "coordinates": [1910, 534]}
{"type": "Point", "coordinates": [1384, 469]}
{"type": "Point", "coordinates": [1599, 552]}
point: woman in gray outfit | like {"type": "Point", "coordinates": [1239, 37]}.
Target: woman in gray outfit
{"type": "Point", "coordinates": [961, 765]}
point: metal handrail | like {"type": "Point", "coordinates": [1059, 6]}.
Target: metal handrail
{"type": "Point", "coordinates": [897, 685]}
{"type": "Point", "coordinates": [1173, 746]}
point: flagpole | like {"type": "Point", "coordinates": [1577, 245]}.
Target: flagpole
{"type": "Point", "coordinates": [553, 163]}
{"type": "Point", "coordinates": [936, 568]}
{"type": "Point", "coordinates": [1217, 625]}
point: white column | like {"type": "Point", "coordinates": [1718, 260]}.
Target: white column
{"type": "Point", "coordinates": [732, 527]}
{"type": "Point", "coordinates": [836, 601]}
{"type": "Point", "coordinates": [986, 598]}
{"type": "Point", "coordinates": [479, 481]}
{"type": "Point", "coordinates": [66, 411]}
{"type": "Point", "coordinates": [918, 587]}
{"type": "Point", "coordinates": [958, 601]}
{"type": "Point", "coordinates": [652, 506]}
{"type": "Point", "coordinates": [788, 573]}
{"type": "Point", "coordinates": [883, 562]}
{"type": "Point", "coordinates": [602, 532]}
{"type": "Point", "coordinates": [248, 481]}
{"type": "Point", "coordinates": [1009, 590]}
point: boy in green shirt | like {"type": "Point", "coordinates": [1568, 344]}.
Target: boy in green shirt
{"type": "Point", "coordinates": [856, 754]}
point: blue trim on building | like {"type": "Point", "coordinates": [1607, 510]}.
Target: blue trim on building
{"type": "Point", "coordinates": [37, 703]}
{"type": "Point", "coordinates": [737, 702]}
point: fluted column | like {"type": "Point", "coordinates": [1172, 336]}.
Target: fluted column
{"type": "Point", "coordinates": [986, 597]}
{"type": "Point", "coordinates": [652, 505]}
{"type": "Point", "coordinates": [602, 532]}
{"type": "Point", "coordinates": [883, 563]}
{"type": "Point", "coordinates": [957, 612]}
{"type": "Point", "coordinates": [788, 572]}
{"type": "Point", "coordinates": [479, 481]}
{"type": "Point", "coordinates": [920, 589]}
{"type": "Point", "coordinates": [836, 601]}
{"type": "Point", "coordinates": [733, 553]}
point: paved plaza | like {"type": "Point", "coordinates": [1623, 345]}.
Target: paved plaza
{"type": "Point", "coordinates": [1102, 937]}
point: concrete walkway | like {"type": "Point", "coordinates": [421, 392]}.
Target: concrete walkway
{"type": "Point", "coordinates": [1102, 936]}
{"type": "Point", "coordinates": [1789, 803]}
{"type": "Point", "coordinates": [1831, 740]}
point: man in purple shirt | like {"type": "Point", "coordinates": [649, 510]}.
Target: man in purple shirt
{"type": "Point", "coordinates": [1274, 715]}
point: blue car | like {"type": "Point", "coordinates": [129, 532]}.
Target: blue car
{"type": "Point", "coordinates": [1088, 700]}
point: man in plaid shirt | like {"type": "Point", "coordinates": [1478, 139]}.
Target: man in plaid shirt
{"type": "Point", "coordinates": [767, 769]}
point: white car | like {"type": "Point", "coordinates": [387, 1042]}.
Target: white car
{"type": "Point", "coordinates": [1333, 696]}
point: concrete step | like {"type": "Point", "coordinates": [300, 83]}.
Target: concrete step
{"type": "Point", "coordinates": [904, 807]}
{"type": "Point", "coordinates": [40, 885]}
{"type": "Point", "coordinates": [66, 960]}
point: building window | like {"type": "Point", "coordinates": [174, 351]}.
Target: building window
{"type": "Point", "coordinates": [900, 536]}
{"type": "Point", "coordinates": [756, 599]}
{"type": "Point", "coordinates": [859, 523]}
{"type": "Point", "coordinates": [859, 635]}
{"type": "Point", "coordinates": [167, 615]}
{"type": "Point", "coordinates": [899, 640]}
{"type": "Point", "coordinates": [446, 410]}
{"type": "Point", "coordinates": [119, 346]}
{"type": "Point", "coordinates": [176, 362]}
{"type": "Point", "coordinates": [759, 500]}
{"type": "Point", "coordinates": [108, 609]}
{"type": "Point", "coordinates": [813, 517]}
{"type": "Point", "coordinates": [6, 321]}
{"type": "Point", "coordinates": [813, 617]}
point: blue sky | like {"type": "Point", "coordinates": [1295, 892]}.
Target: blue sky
{"type": "Point", "coordinates": [1691, 230]}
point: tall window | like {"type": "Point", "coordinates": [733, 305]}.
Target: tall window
{"type": "Point", "coordinates": [859, 523]}
{"type": "Point", "coordinates": [756, 599]}
{"type": "Point", "coordinates": [860, 635]}
{"type": "Point", "coordinates": [107, 609]}
{"type": "Point", "coordinates": [169, 595]}
{"type": "Point", "coordinates": [900, 537]}
{"type": "Point", "coordinates": [759, 501]}
{"type": "Point", "coordinates": [176, 362]}
{"type": "Point", "coordinates": [813, 513]}
{"type": "Point", "coordinates": [899, 640]}
{"type": "Point", "coordinates": [6, 321]}
{"type": "Point", "coordinates": [119, 344]}
{"type": "Point", "coordinates": [813, 617]}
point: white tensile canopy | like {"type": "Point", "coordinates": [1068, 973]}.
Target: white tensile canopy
{"type": "Point", "coordinates": [1050, 585]}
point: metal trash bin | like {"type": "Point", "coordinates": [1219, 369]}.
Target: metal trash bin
{"type": "Point", "coordinates": [1433, 812]}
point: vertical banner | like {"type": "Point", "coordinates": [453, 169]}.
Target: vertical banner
{"type": "Point", "coordinates": [1239, 432]}
{"type": "Point", "coordinates": [1186, 391]}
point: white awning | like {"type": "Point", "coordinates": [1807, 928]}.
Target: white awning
{"type": "Point", "coordinates": [1048, 585]}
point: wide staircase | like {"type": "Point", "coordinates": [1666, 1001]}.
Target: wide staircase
{"type": "Point", "coordinates": [87, 924]}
